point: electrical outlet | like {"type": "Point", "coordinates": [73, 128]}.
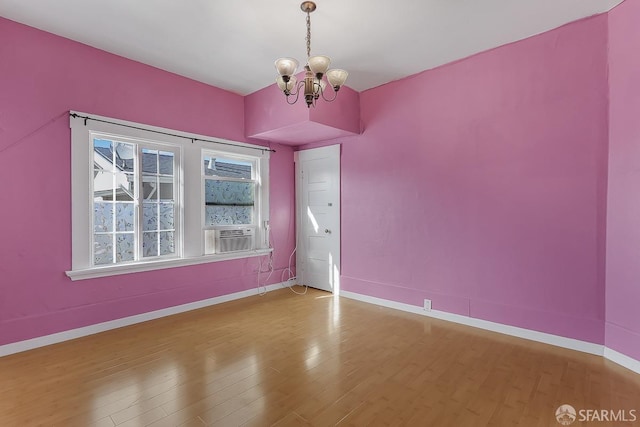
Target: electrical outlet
{"type": "Point", "coordinates": [427, 304]}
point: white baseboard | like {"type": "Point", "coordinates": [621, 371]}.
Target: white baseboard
{"type": "Point", "coordinates": [556, 340]}
{"type": "Point", "coordinates": [30, 344]}
{"type": "Point", "coordinates": [515, 331]}
{"type": "Point", "coordinates": [622, 360]}
{"type": "Point", "coordinates": [570, 343]}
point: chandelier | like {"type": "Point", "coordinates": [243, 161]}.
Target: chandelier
{"type": "Point", "coordinates": [313, 85]}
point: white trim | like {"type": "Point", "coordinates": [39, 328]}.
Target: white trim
{"type": "Point", "coordinates": [515, 331]}
{"type": "Point", "coordinates": [113, 270]}
{"type": "Point", "coordinates": [622, 360]}
{"type": "Point", "coordinates": [71, 334]}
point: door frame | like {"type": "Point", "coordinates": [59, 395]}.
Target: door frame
{"type": "Point", "coordinates": [329, 151]}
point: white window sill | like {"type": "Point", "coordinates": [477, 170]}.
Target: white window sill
{"type": "Point", "coordinates": [113, 270]}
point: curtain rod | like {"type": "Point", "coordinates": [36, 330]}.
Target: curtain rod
{"type": "Point", "coordinates": [78, 116]}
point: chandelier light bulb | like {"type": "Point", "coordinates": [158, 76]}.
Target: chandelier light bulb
{"type": "Point", "coordinates": [337, 78]}
{"type": "Point", "coordinates": [286, 66]}
{"type": "Point", "coordinates": [319, 64]}
{"type": "Point", "coordinates": [286, 86]}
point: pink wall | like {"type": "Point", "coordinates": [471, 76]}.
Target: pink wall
{"type": "Point", "coordinates": [269, 117]}
{"type": "Point", "coordinates": [42, 77]}
{"type": "Point", "coordinates": [623, 215]}
{"type": "Point", "coordinates": [482, 186]}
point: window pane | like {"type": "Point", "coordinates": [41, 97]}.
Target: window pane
{"type": "Point", "coordinates": [166, 163]}
{"type": "Point", "coordinates": [125, 160]}
{"type": "Point", "coordinates": [166, 216]}
{"type": "Point", "coordinates": [228, 215]}
{"type": "Point", "coordinates": [124, 216]}
{"type": "Point", "coordinates": [149, 161]}
{"type": "Point", "coordinates": [125, 186]}
{"type": "Point", "coordinates": [149, 244]}
{"type": "Point", "coordinates": [113, 170]}
{"type": "Point", "coordinates": [150, 187]}
{"type": "Point", "coordinates": [218, 166]}
{"type": "Point", "coordinates": [166, 190]}
{"type": "Point", "coordinates": [229, 193]}
{"type": "Point", "coordinates": [102, 217]}
{"type": "Point", "coordinates": [167, 245]}
{"type": "Point", "coordinates": [102, 249]}
{"type": "Point", "coordinates": [103, 185]}
{"type": "Point", "coordinates": [125, 247]}
{"type": "Point", "coordinates": [102, 154]}
{"type": "Point", "coordinates": [149, 216]}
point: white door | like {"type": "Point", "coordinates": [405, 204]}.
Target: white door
{"type": "Point", "coordinates": [318, 218]}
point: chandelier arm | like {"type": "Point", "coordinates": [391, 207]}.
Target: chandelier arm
{"type": "Point", "coordinates": [292, 102]}
{"type": "Point", "coordinates": [335, 95]}
{"type": "Point", "coordinates": [296, 93]}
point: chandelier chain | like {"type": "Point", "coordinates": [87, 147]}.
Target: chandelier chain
{"type": "Point", "coordinates": [308, 35]}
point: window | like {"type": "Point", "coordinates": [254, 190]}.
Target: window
{"type": "Point", "coordinates": [135, 200]}
{"type": "Point", "coordinates": [230, 189]}
{"type": "Point", "coordinates": [145, 198]}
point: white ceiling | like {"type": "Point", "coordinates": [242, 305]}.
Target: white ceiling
{"type": "Point", "coordinates": [232, 44]}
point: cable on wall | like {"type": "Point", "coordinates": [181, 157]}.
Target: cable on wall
{"type": "Point", "coordinates": [261, 270]}
{"type": "Point", "coordinates": [33, 132]}
{"type": "Point", "coordinates": [292, 276]}
{"type": "Point", "coordinates": [192, 139]}
{"type": "Point", "coordinates": [269, 269]}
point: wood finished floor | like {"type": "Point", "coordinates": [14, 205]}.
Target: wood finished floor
{"type": "Point", "coordinates": [289, 360]}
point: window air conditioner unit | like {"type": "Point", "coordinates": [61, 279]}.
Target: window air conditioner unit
{"type": "Point", "coordinates": [234, 239]}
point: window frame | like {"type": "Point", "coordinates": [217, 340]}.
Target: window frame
{"type": "Point", "coordinates": [255, 178]}
{"type": "Point", "coordinates": [138, 202]}
{"type": "Point", "coordinates": [190, 188]}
